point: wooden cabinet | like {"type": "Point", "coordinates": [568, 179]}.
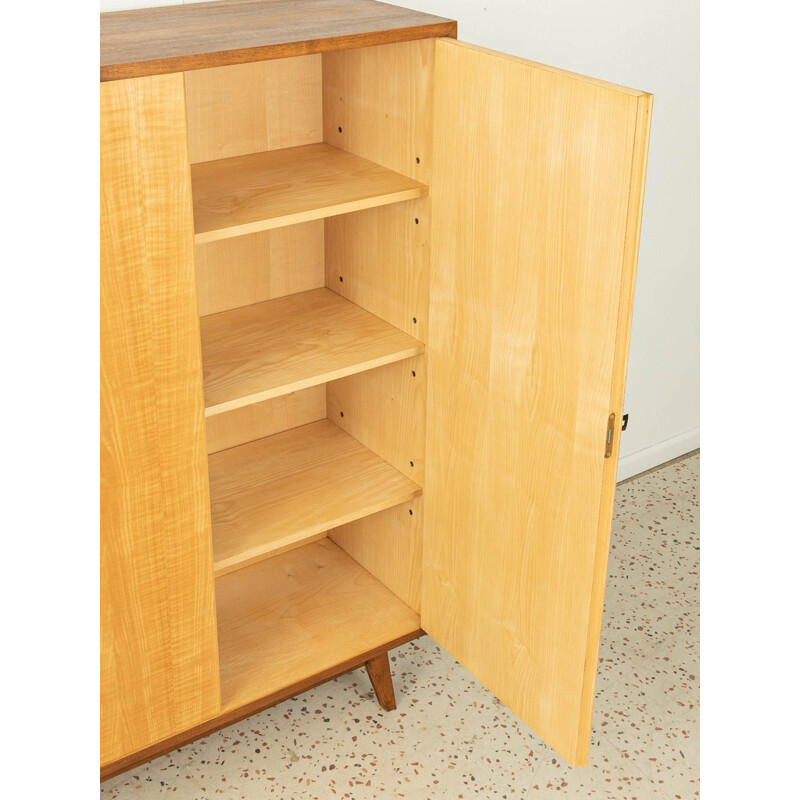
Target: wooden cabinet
{"type": "Point", "coordinates": [366, 297]}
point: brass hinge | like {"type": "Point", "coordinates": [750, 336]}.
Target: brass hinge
{"type": "Point", "coordinates": [610, 435]}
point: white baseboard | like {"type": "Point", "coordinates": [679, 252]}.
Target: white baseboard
{"type": "Point", "coordinates": [651, 457]}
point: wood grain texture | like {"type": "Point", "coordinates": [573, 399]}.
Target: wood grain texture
{"type": "Point", "coordinates": [276, 493]}
{"type": "Point", "coordinates": [158, 644]}
{"type": "Point", "coordinates": [382, 100]}
{"type": "Point", "coordinates": [286, 619]}
{"type": "Point", "coordinates": [251, 108]}
{"type": "Point", "coordinates": [251, 269]}
{"type": "Point", "coordinates": [242, 712]}
{"type": "Point", "coordinates": [177, 38]}
{"type": "Point", "coordinates": [641, 143]}
{"type": "Point", "coordinates": [262, 191]}
{"type": "Point", "coordinates": [389, 546]}
{"type": "Point", "coordinates": [380, 676]}
{"type": "Point", "coordinates": [256, 421]}
{"type": "Point", "coordinates": [384, 409]}
{"type": "Point", "coordinates": [269, 349]}
{"type": "Point", "coordinates": [531, 190]}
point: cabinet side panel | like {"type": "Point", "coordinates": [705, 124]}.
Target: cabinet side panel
{"type": "Point", "coordinates": [382, 100]}
{"type": "Point", "coordinates": [158, 643]}
{"type": "Point", "coordinates": [389, 545]}
{"type": "Point", "coordinates": [385, 410]}
{"type": "Point", "coordinates": [378, 104]}
{"type": "Point", "coordinates": [530, 271]}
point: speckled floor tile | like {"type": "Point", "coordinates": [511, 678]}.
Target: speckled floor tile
{"type": "Point", "coordinates": [450, 738]}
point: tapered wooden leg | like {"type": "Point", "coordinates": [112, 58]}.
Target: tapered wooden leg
{"type": "Point", "coordinates": [380, 675]}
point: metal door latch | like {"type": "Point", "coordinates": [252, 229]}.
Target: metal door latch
{"type": "Point", "coordinates": [610, 435]}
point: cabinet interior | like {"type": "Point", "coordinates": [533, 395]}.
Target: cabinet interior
{"type": "Point", "coordinates": [310, 183]}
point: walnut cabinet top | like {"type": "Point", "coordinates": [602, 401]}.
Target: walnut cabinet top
{"type": "Point", "coordinates": [155, 41]}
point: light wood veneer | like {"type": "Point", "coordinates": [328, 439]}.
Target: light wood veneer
{"type": "Point", "coordinates": [273, 494]}
{"type": "Point", "coordinates": [279, 346]}
{"type": "Point", "coordinates": [293, 616]}
{"type": "Point", "coordinates": [158, 648]}
{"type": "Point", "coordinates": [521, 367]}
{"type": "Point", "coordinates": [261, 191]}
{"type": "Point", "coordinates": [473, 341]}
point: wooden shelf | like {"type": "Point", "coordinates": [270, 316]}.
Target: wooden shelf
{"type": "Point", "coordinates": [279, 346]}
{"type": "Point", "coordinates": [257, 192]}
{"type": "Point", "coordinates": [277, 493]}
{"type": "Point", "coordinates": [304, 613]}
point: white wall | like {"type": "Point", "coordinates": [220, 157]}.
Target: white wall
{"type": "Point", "coordinates": [652, 45]}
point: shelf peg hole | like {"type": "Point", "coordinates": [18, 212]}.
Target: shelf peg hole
{"type": "Point", "coordinates": [341, 279]}
{"type": "Point", "coordinates": [417, 159]}
{"type": "Point", "coordinates": [413, 373]}
{"type": "Point", "coordinates": [414, 320]}
{"type": "Point", "coordinates": [340, 129]}
{"type": "Point", "coordinates": [411, 462]}
{"type": "Point", "coordinates": [416, 220]}
{"type": "Point", "coordinates": [341, 413]}
{"type": "Point", "coordinates": [410, 512]}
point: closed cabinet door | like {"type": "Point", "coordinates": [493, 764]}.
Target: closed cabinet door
{"type": "Point", "coordinates": [537, 195]}
{"type": "Point", "coordinates": [159, 667]}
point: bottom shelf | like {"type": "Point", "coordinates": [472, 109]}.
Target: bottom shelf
{"type": "Point", "coordinates": [287, 619]}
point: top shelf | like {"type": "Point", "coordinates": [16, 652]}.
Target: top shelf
{"type": "Point", "coordinates": [261, 191]}
{"type": "Point", "coordinates": [155, 41]}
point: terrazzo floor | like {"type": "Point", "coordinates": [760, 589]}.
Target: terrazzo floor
{"type": "Point", "coordinates": [450, 738]}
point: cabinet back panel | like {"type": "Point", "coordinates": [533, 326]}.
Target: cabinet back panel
{"type": "Point", "coordinates": [264, 419]}
{"type": "Point", "coordinates": [262, 266]}
{"type": "Point", "coordinates": [158, 639]}
{"type": "Point", "coordinates": [251, 108]}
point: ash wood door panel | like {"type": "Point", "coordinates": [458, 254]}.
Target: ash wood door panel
{"type": "Point", "coordinates": [158, 642]}
{"type": "Point", "coordinates": [536, 193]}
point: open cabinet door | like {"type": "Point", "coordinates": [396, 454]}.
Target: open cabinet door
{"type": "Point", "coordinates": [537, 193]}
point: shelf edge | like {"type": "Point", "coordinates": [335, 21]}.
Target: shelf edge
{"type": "Point", "coordinates": [254, 555]}
{"type": "Point", "coordinates": [322, 212]}
{"type": "Point", "coordinates": [305, 383]}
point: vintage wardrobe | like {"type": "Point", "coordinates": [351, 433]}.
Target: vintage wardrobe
{"type": "Point", "coordinates": [366, 299]}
